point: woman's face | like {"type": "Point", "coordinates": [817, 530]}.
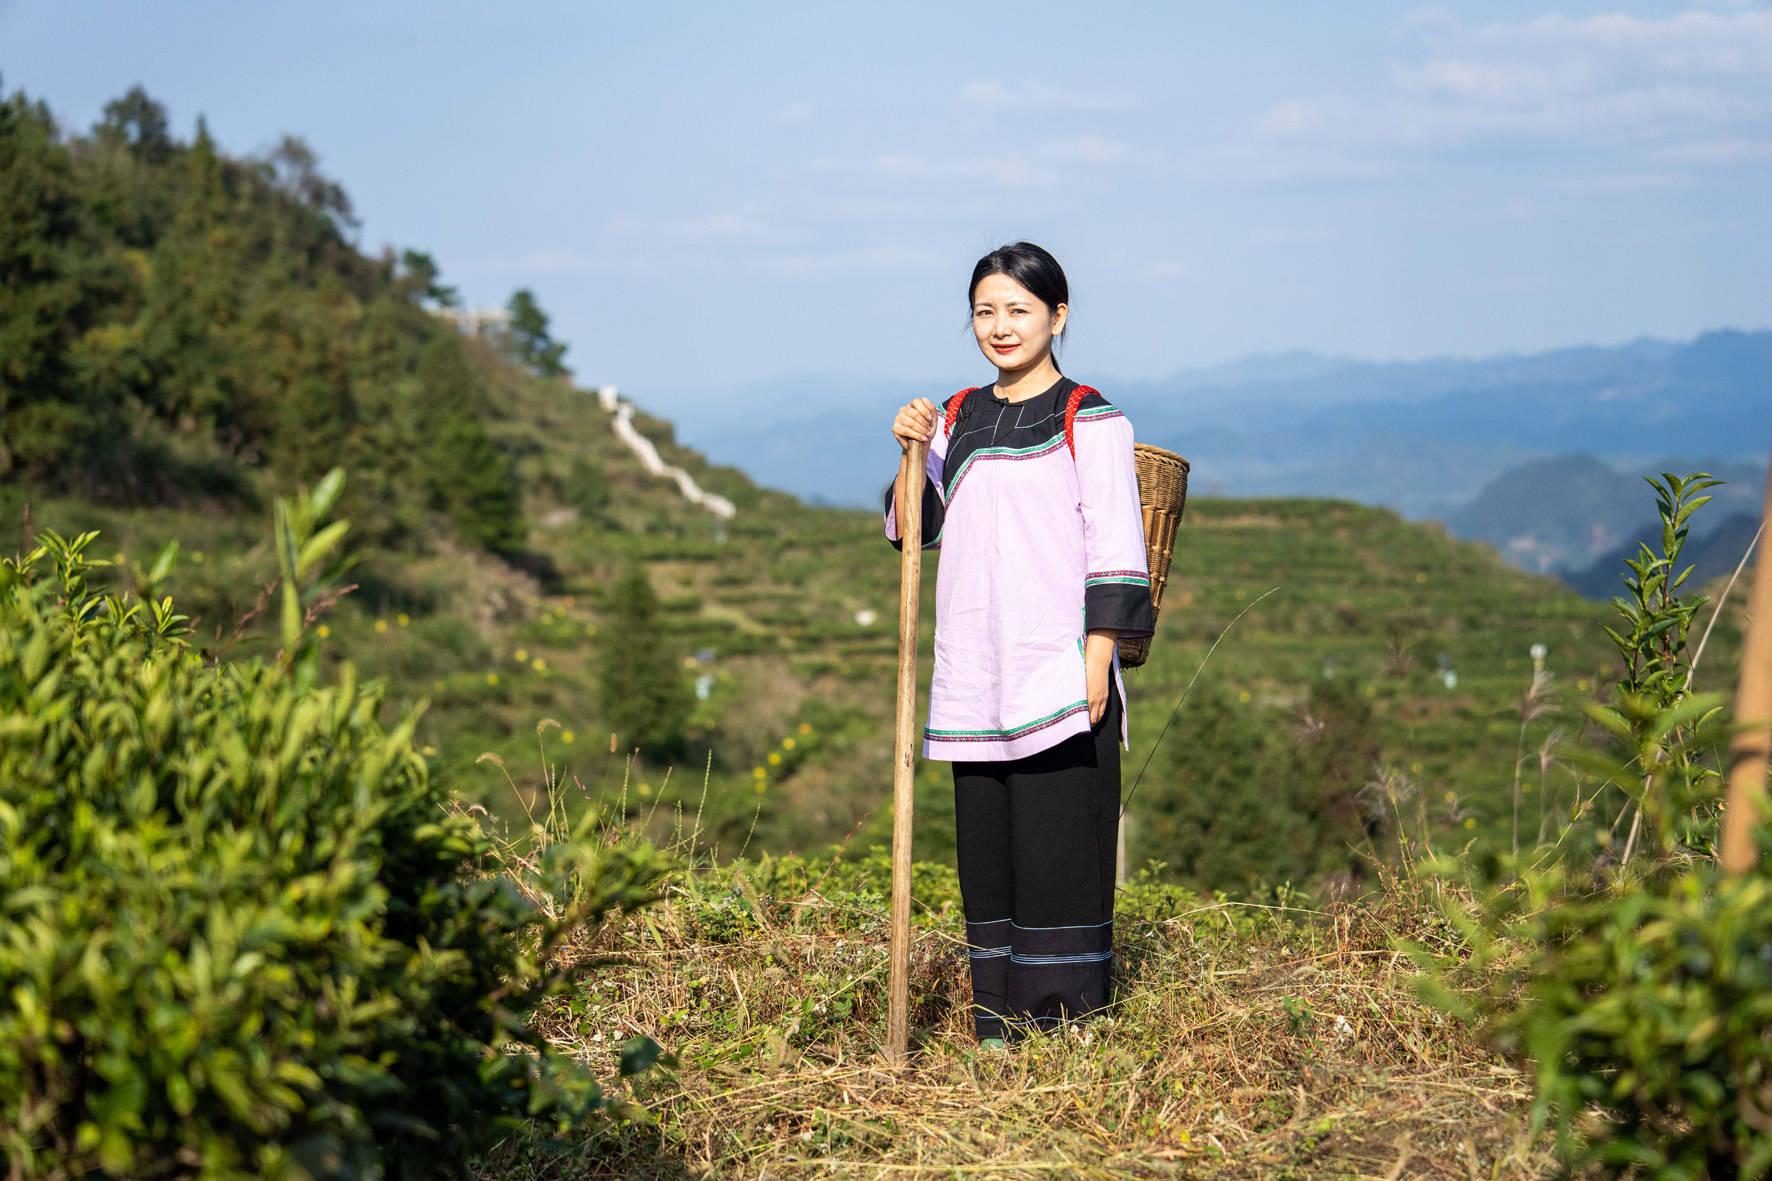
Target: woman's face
{"type": "Point", "coordinates": [1014, 327]}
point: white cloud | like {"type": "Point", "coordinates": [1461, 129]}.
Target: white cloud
{"type": "Point", "coordinates": [1091, 149]}
{"type": "Point", "coordinates": [1717, 151]}
{"type": "Point", "coordinates": [1042, 166]}
{"type": "Point", "coordinates": [1169, 270]}
{"type": "Point", "coordinates": [728, 226]}
{"type": "Point", "coordinates": [556, 261]}
{"type": "Point", "coordinates": [1289, 235]}
{"type": "Point", "coordinates": [1626, 182]}
{"type": "Point", "coordinates": [901, 165]}
{"type": "Point", "coordinates": [998, 96]}
{"type": "Point", "coordinates": [1290, 117]}
{"type": "Point", "coordinates": [873, 260]}
{"type": "Point", "coordinates": [1695, 85]}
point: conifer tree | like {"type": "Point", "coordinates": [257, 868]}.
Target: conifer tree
{"type": "Point", "coordinates": [645, 697]}
{"type": "Point", "coordinates": [530, 342]}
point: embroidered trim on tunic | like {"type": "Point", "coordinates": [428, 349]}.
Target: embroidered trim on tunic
{"type": "Point", "coordinates": [1136, 577]}
{"type": "Point", "coordinates": [1017, 732]}
{"type": "Point", "coordinates": [1033, 452]}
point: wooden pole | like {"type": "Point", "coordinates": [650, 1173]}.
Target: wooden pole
{"type": "Point", "coordinates": [910, 584]}
{"type": "Point", "coordinates": [1745, 802]}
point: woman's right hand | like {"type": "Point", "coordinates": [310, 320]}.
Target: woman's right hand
{"type": "Point", "coordinates": [916, 420]}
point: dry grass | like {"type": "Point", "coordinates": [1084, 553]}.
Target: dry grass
{"type": "Point", "coordinates": [1247, 1041]}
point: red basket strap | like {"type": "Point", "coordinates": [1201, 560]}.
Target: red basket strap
{"type": "Point", "coordinates": [947, 426]}
{"type": "Point", "coordinates": [1070, 415]}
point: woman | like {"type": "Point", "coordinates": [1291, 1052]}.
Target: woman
{"type": "Point", "coordinates": [1042, 569]}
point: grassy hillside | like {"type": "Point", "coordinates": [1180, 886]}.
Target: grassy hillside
{"type": "Point", "coordinates": [1316, 691]}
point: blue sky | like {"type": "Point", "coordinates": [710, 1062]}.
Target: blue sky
{"type": "Point", "coordinates": [709, 196]}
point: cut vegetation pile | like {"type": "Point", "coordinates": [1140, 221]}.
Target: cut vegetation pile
{"type": "Point", "coordinates": [1250, 1039]}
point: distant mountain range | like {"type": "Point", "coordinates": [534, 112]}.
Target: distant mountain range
{"type": "Point", "coordinates": [1538, 454]}
{"type": "Point", "coordinates": [1573, 516]}
{"type": "Point", "coordinates": [1713, 553]}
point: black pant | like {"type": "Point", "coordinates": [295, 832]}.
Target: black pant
{"type": "Point", "coordinates": [1035, 842]}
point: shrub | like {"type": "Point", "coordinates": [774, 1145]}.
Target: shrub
{"type": "Point", "coordinates": [1648, 1010]}
{"type": "Point", "coordinates": [1638, 992]}
{"type": "Point", "coordinates": [239, 933]}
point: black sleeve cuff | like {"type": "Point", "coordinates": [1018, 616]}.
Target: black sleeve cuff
{"type": "Point", "coordinates": [1123, 606]}
{"type": "Point", "coordinates": [934, 513]}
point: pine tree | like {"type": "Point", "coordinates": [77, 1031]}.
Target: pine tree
{"type": "Point", "coordinates": [474, 482]}
{"type": "Point", "coordinates": [645, 697]}
{"type": "Point", "coordinates": [529, 338]}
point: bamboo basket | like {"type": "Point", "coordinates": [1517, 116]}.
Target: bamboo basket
{"type": "Point", "coordinates": [1162, 494]}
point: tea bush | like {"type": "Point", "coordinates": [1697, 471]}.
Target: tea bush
{"type": "Point", "coordinates": [1637, 991]}
{"type": "Point", "coordinates": [240, 935]}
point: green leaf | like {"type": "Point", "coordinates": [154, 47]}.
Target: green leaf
{"type": "Point", "coordinates": [284, 538]}
{"type": "Point", "coordinates": [318, 545]}
{"type": "Point", "coordinates": [325, 492]}
{"type": "Point", "coordinates": [1686, 509]}
{"type": "Point", "coordinates": [163, 562]}
{"type": "Point", "coordinates": [638, 1053]}
{"type": "Point", "coordinates": [291, 619]}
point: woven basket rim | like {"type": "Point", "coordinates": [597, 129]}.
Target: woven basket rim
{"type": "Point", "coordinates": [1162, 451]}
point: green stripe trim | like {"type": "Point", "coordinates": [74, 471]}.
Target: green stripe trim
{"type": "Point", "coordinates": [1037, 448]}
{"type": "Point", "coordinates": [1096, 412]}
{"type": "Point", "coordinates": [1003, 733]}
{"type": "Point", "coordinates": [1128, 581]}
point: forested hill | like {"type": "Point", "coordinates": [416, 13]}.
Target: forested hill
{"type": "Point", "coordinates": [183, 327]}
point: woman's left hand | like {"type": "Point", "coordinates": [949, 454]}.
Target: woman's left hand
{"type": "Point", "coordinates": [1098, 657]}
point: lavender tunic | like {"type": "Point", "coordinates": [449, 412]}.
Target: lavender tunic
{"type": "Point", "coordinates": [1037, 550]}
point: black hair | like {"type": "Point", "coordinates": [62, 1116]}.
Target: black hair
{"type": "Point", "coordinates": [1031, 266]}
